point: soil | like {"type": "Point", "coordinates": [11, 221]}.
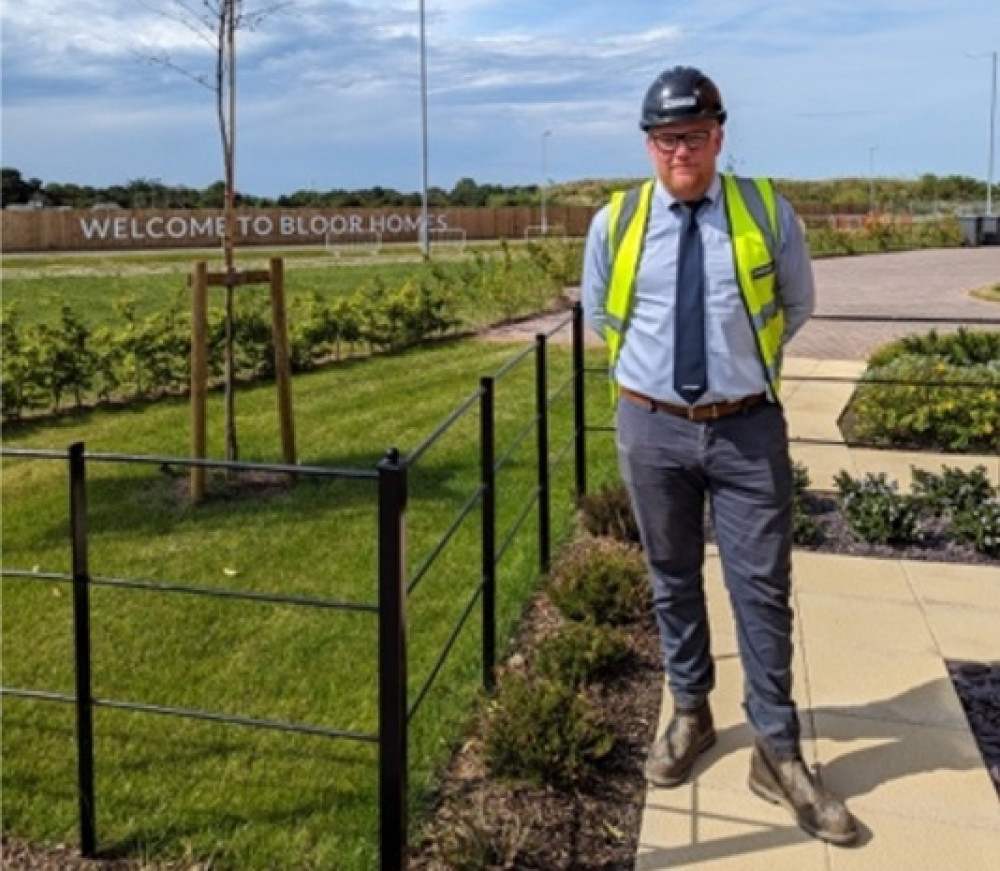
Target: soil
{"type": "Point", "coordinates": [835, 537]}
{"type": "Point", "coordinates": [591, 826]}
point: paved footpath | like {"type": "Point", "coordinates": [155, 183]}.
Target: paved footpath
{"type": "Point", "coordinates": [930, 283]}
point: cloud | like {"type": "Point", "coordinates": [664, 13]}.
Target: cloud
{"type": "Point", "coordinates": [329, 89]}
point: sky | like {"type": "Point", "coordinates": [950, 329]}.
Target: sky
{"type": "Point", "coordinates": [518, 91]}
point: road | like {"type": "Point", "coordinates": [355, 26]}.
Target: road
{"type": "Point", "coordinates": [928, 283]}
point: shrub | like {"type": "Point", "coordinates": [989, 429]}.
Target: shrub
{"type": "Point", "coordinates": [580, 652]}
{"type": "Point", "coordinates": [876, 511]}
{"type": "Point", "coordinates": [921, 409]}
{"type": "Point", "coordinates": [543, 731]}
{"type": "Point", "coordinates": [805, 530]}
{"type": "Point", "coordinates": [608, 512]}
{"type": "Point", "coordinates": [475, 840]}
{"type": "Point", "coordinates": [601, 580]}
{"type": "Point", "coordinates": [962, 348]}
{"type": "Point", "coordinates": [21, 375]}
{"type": "Point", "coordinates": [979, 525]}
{"type": "Point", "coordinates": [953, 491]}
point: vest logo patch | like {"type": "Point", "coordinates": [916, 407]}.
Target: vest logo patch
{"type": "Point", "coordinates": [762, 270]}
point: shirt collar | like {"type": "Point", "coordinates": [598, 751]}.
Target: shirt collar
{"type": "Point", "coordinates": [712, 194]}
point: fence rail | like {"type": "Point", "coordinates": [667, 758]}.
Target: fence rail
{"type": "Point", "coordinates": [390, 485]}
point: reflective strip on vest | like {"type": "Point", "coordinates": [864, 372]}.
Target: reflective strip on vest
{"type": "Point", "coordinates": [752, 211]}
{"type": "Point", "coordinates": [752, 214]}
{"type": "Point", "coordinates": [627, 222]}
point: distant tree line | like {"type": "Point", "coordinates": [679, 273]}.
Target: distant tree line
{"type": "Point", "coordinates": [145, 193]}
{"type": "Point", "coordinates": [889, 194]}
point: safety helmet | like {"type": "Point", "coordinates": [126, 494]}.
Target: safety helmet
{"type": "Point", "coordinates": [681, 94]}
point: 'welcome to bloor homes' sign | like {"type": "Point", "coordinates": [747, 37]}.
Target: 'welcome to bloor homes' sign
{"type": "Point", "coordinates": [260, 226]}
{"type": "Point", "coordinates": [121, 229]}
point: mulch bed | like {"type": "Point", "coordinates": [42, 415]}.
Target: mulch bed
{"type": "Point", "coordinates": [593, 826]}
{"type": "Point", "coordinates": [836, 537]}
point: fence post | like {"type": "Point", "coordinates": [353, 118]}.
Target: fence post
{"type": "Point", "coordinates": [392, 700]}
{"type": "Point", "coordinates": [487, 465]}
{"type": "Point", "coordinates": [199, 376]}
{"type": "Point", "coordinates": [81, 637]}
{"type": "Point", "coordinates": [579, 395]}
{"type": "Point", "coordinates": [542, 409]}
{"type": "Point", "coordinates": [282, 362]}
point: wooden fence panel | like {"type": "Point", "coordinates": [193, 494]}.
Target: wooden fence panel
{"type": "Point", "coordinates": [39, 230]}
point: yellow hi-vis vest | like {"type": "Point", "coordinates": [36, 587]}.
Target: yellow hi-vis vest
{"type": "Point", "coordinates": [752, 213]}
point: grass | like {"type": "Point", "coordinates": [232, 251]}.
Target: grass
{"type": "Point", "coordinates": [243, 798]}
{"type": "Point", "coordinates": [991, 293]}
{"type": "Point", "coordinates": [160, 282]}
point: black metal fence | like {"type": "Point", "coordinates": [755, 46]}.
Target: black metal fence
{"type": "Point", "coordinates": [390, 484]}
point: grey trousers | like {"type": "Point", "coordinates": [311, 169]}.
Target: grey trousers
{"type": "Point", "coordinates": [741, 464]}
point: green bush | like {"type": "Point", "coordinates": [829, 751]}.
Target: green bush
{"type": "Point", "coordinates": [560, 260]}
{"type": "Point", "coordinates": [969, 502]}
{"type": "Point", "coordinates": [543, 731]}
{"type": "Point", "coordinates": [134, 356]}
{"type": "Point", "coordinates": [962, 348]}
{"type": "Point", "coordinates": [580, 652]}
{"type": "Point", "coordinates": [601, 580]}
{"type": "Point", "coordinates": [21, 373]}
{"type": "Point", "coordinates": [805, 530]}
{"type": "Point", "coordinates": [921, 409]}
{"type": "Point", "coordinates": [979, 525]}
{"type": "Point", "coordinates": [943, 233]}
{"type": "Point", "coordinates": [953, 491]}
{"type": "Point", "coordinates": [608, 512]}
{"type": "Point", "coordinates": [876, 511]}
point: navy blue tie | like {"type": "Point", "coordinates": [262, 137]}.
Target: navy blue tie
{"type": "Point", "coordinates": [690, 377]}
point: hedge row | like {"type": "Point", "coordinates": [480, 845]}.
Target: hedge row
{"type": "Point", "coordinates": [48, 365]}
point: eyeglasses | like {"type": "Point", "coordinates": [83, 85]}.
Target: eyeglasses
{"type": "Point", "coordinates": [668, 143]}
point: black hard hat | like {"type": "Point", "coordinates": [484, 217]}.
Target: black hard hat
{"type": "Point", "coordinates": [681, 94]}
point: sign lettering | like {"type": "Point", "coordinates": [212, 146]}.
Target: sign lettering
{"type": "Point", "coordinates": [249, 226]}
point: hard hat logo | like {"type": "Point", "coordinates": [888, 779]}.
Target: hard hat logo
{"type": "Point", "coordinates": [678, 102]}
{"type": "Point", "coordinates": [681, 94]}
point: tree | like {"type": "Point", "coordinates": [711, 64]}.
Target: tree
{"type": "Point", "coordinates": [215, 22]}
{"type": "Point", "coordinates": [15, 190]}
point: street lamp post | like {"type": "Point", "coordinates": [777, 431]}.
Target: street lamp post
{"type": "Point", "coordinates": [871, 178]}
{"type": "Point", "coordinates": [993, 125]}
{"type": "Point", "coordinates": [424, 217]}
{"type": "Point", "coordinates": [545, 223]}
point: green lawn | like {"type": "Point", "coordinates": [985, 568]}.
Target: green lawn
{"type": "Point", "coordinates": [245, 798]}
{"type": "Point", "coordinates": [39, 292]}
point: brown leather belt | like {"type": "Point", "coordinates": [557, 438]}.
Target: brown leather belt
{"type": "Point", "coordinates": [711, 411]}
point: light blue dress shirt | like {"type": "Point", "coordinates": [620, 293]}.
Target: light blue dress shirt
{"type": "Point", "coordinates": [646, 361]}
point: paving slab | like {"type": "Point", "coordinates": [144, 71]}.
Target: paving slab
{"type": "Point", "coordinates": [882, 726]}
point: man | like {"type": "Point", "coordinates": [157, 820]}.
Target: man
{"type": "Point", "coordinates": [696, 281]}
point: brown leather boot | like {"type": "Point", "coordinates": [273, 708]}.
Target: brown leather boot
{"type": "Point", "coordinates": [789, 783]}
{"type": "Point", "coordinates": [673, 754]}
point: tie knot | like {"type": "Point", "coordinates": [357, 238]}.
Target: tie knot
{"type": "Point", "coordinates": [691, 207]}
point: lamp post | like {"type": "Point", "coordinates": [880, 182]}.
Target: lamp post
{"type": "Point", "coordinates": [993, 126]}
{"type": "Point", "coordinates": [424, 218]}
{"type": "Point", "coordinates": [871, 178]}
{"type": "Point", "coordinates": [993, 123]}
{"type": "Point", "coordinates": [545, 223]}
